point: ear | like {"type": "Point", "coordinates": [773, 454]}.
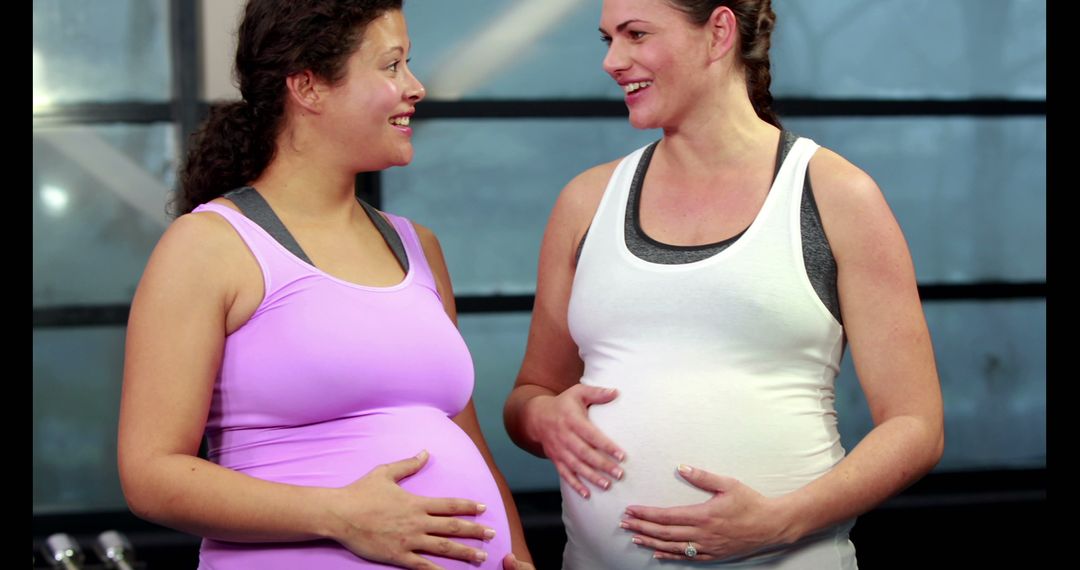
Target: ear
{"type": "Point", "coordinates": [306, 90]}
{"type": "Point", "coordinates": [723, 32]}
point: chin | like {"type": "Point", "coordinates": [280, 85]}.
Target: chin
{"type": "Point", "coordinates": [642, 122]}
{"type": "Point", "coordinates": [404, 159]}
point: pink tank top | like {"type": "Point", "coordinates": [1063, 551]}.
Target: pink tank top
{"type": "Point", "coordinates": [329, 379]}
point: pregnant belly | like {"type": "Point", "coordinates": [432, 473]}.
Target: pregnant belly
{"type": "Point", "coordinates": [774, 438]}
{"type": "Point", "coordinates": [334, 454]}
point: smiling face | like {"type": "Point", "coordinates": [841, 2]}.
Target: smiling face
{"type": "Point", "coordinates": [368, 112]}
{"type": "Point", "coordinates": [658, 58]}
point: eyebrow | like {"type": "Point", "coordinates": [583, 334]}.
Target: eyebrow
{"type": "Point", "coordinates": [621, 26]}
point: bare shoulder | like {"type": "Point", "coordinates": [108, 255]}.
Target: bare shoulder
{"type": "Point", "coordinates": [847, 197]}
{"type": "Point", "coordinates": [432, 250]}
{"type": "Point", "coordinates": [581, 196]}
{"type": "Point", "coordinates": [201, 254]}
{"type": "Point", "coordinates": [205, 237]}
{"type": "Point", "coordinates": [835, 179]}
{"type": "Point", "coordinates": [857, 220]}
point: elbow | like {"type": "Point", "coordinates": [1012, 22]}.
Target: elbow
{"type": "Point", "coordinates": [511, 419]}
{"type": "Point", "coordinates": [135, 485]}
{"type": "Point", "coordinates": [939, 448]}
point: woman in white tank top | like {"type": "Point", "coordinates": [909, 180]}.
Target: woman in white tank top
{"type": "Point", "coordinates": [688, 407]}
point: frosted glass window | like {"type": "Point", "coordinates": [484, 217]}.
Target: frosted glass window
{"type": "Point", "coordinates": [106, 50]}
{"type": "Point", "coordinates": [969, 194]}
{"type": "Point", "coordinates": [486, 187]}
{"type": "Point", "coordinates": [991, 359]}
{"type": "Point", "coordinates": [77, 378]}
{"type": "Point", "coordinates": [905, 49]}
{"type": "Point", "coordinates": [99, 207]}
{"type": "Point", "coordinates": [497, 343]}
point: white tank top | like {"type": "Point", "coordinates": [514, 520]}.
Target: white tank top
{"type": "Point", "coordinates": [726, 364]}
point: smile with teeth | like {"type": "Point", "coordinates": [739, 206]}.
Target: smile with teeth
{"type": "Point", "coordinates": [635, 86]}
{"type": "Point", "coordinates": [400, 121]}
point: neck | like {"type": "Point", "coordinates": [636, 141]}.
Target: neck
{"type": "Point", "coordinates": [302, 188]}
{"type": "Point", "coordinates": [723, 131]}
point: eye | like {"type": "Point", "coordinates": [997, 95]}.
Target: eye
{"type": "Point", "coordinates": [394, 66]}
{"type": "Point", "coordinates": [606, 39]}
{"type": "Point", "coordinates": [635, 35]}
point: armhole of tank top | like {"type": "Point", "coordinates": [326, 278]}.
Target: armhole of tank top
{"type": "Point", "coordinates": [424, 276]}
{"type": "Point", "coordinates": [807, 192]}
{"type": "Point", "coordinates": [246, 238]}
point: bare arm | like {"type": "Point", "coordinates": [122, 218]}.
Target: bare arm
{"type": "Point", "coordinates": [467, 419]}
{"type": "Point", "coordinates": [890, 346]}
{"type": "Point", "coordinates": [545, 412]}
{"type": "Point", "coordinates": [175, 339]}
{"type": "Point", "coordinates": [199, 272]}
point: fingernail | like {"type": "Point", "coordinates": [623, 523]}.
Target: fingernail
{"type": "Point", "coordinates": [489, 533]}
{"type": "Point", "coordinates": [685, 469]}
{"type": "Point", "coordinates": [618, 473]}
{"type": "Point", "coordinates": [620, 456]}
{"type": "Point", "coordinates": [481, 507]}
{"type": "Point", "coordinates": [624, 524]}
{"type": "Point", "coordinates": [422, 453]}
{"type": "Point", "coordinates": [635, 540]}
{"type": "Point", "coordinates": [605, 484]}
{"type": "Point", "coordinates": [584, 494]}
{"type": "Point", "coordinates": [481, 556]}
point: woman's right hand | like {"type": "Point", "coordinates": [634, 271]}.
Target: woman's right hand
{"type": "Point", "coordinates": [578, 450]}
{"type": "Point", "coordinates": [384, 523]}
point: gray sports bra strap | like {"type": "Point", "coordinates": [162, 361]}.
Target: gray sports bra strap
{"type": "Point", "coordinates": [257, 210]}
{"type": "Point", "coordinates": [389, 234]}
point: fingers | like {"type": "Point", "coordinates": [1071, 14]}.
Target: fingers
{"type": "Point", "coordinates": [667, 533]}
{"type": "Point", "coordinates": [581, 469]}
{"type": "Point", "coordinates": [452, 507]}
{"type": "Point", "coordinates": [666, 550]}
{"type": "Point", "coordinates": [399, 470]}
{"type": "Point", "coordinates": [441, 546]}
{"type": "Point", "coordinates": [571, 479]}
{"type": "Point", "coordinates": [689, 515]}
{"type": "Point", "coordinates": [597, 449]}
{"type": "Point", "coordinates": [595, 395]}
{"type": "Point", "coordinates": [511, 563]}
{"type": "Point", "coordinates": [703, 479]}
{"type": "Point", "coordinates": [416, 562]}
{"type": "Point", "coordinates": [450, 526]}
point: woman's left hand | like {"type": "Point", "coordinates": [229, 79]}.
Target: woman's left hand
{"type": "Point", "coordinates": [512, 563]}
{"type": "Point", "coordinates": [736, 521]}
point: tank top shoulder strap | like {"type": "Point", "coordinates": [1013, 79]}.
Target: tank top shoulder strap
{"type": "Point", "coordinates": [414, 251]}
{"type": "Point", "coordinates": [606, 222]}
{"type": "Point", "coordinates": [277, 264]}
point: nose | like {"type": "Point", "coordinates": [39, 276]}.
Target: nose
{"type": "Point", "coordinates": [615, 61]}
{"type": "Point", "coordinates": [416, 91]}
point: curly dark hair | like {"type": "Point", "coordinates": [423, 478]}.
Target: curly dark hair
{"type": "Point", "coordinates": [756, 21]}
{"type": "Point", "coordinates": [276, 39]}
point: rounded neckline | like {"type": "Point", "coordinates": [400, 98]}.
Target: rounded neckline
{"type": "Point", "coordinates": [405, 281]}
{"type": "Point", "coordinates": [740, 238]}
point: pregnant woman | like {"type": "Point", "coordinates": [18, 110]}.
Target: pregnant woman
{"type": "Point", "coordinates": [693, 303]}
{"type": "Point", "coordinates": [311, 337]}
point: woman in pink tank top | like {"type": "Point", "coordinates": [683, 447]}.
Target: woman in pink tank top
{"type": "Point", "coordinates": [315, 342]}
